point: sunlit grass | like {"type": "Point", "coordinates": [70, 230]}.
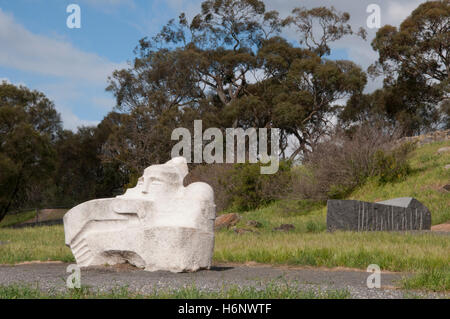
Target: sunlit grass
{"type": "Point", "coordinates": [34, 243]}
{"type": "Point", "coordinates": [433, 280]}
{"type": "Point", "coordinates": [391, 251]}
{"type": "Point", "coordinates": [270, 291]}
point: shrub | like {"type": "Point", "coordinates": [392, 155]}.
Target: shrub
{"type": "Point", "coordinates": [242, 187]}
{"type": "Point", "coordinates": [393, 166]}
{"type": "Point", "coordinates": [250, 189]}
{"type": "Point", "coordinates": [339, 164]}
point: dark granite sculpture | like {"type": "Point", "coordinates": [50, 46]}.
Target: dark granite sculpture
{"type": "Point", "coordinates": [397, 214]}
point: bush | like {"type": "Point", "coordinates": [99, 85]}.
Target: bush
{"type": "Point", "coordinates": [242, 187]}
{"type": "Point", "coordinates": [250, 189]}
{"type": "Point", "coordinates": [338, 165]}
{"type": "Point", "coordinates": [393, 166]}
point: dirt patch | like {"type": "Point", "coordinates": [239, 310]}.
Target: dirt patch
{"type": "Point", "coordinates": [442, 227]}
{"type": "Point", "coordinates": [289, 267]}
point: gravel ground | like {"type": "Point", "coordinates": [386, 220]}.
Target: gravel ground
{"type": "Point", "coordinates": [53, 275]}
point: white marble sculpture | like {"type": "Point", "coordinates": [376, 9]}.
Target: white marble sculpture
{"type": "Point", "coordinates": [157, 225]}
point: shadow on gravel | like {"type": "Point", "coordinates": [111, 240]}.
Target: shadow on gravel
{"type": "Point", "coordinates": [220, 268]}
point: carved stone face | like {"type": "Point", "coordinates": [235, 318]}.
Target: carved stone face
{"type": "Point", "coordinates": [164, 178]}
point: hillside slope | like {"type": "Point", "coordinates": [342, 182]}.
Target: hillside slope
{"type": "Point", "coordinates": [310, 244]}
{"type": "Point", "coordinates": [425, 183]}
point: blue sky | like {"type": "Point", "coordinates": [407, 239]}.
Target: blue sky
{"type": "Point", "coordinates": [71, 65]}
{"type": "Point", "coordinates": [110, 30]}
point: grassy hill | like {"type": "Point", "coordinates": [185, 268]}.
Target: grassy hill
{"type": "Point", "coordinates": [309, 244]}
{"type": "Point", "coordinates": [424, 183]}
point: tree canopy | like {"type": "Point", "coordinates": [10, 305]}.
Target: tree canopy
{"type": "Point", "coordinates": [28, 125]}
{"type": "Point", "coordinates": [415, 62]}
{"type": "Point", "coordinates": [230, 67]}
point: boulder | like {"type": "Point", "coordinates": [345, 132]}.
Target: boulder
{"type": "Point", "coordinates": [447, 167]}
{"type": "Point", "coordinates": [399, 214]}
{"type": "Point", "coordinates": [157, 225]}
{"type": "Point", "coordinates": [226, 221]}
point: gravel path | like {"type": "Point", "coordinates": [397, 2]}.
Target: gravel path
{"type": "Point", "coordinates": [53, 275]}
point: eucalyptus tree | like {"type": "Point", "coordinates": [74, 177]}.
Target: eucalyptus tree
{"type": "Point", "coordinates": [230, 67]}
{"type": "Point", "coordinates": [29, 125]}
{"type": "Point", "coordinates": [415, 62]}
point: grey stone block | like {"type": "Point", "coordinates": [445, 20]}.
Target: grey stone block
{"type": "Point", "coordinates": [398, 214]}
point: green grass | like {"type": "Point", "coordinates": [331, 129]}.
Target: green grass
{"type": "Point", "coordinates": [433, 280]}
{"type": "Point", "coordinates": [391, 251]}
{"type": "Point", "coordinates": [271, 291]}
{"type": "Point", "coordinates": [34, 243]}
{"type": "Point", "coordinates": [11, 220]}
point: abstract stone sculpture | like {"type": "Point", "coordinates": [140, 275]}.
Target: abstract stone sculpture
{"type": "Point", "coordinates": [157, 225]}
{"type": "Point", "coordinates": [397, 214]}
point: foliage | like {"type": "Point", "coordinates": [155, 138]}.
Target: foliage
{"type": "Point", "coordinates": [415, 62]}
{"type": "Point", "coordinates": [433, 279]}
{"type": "Point", "coordinates": [338, 165]}
{"type": "Point", "coordinates": [80, 173]}
{"type": "Point", "coordinates": [242, 186]}
{"type": "Point", "coordinates": [230, 67]}
{"type": "Point", "coordinates": [28, 126]}
{"type": "Point", "coordinates": [250, 189]}
{"type": "Point", "coordinates": [13, 219]}
{"type": "Point", "coordinates": [308, 243]}
{"type": "Point", "coordinates": [205, 69]}
{"type": "Point", "coordinates": [392, 167]}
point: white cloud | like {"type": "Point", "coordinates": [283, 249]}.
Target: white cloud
{"type": "Point", "coordinates": [77, 72]}
{"type": "Point", "coordinates": [399, 10]}
{"type": "Point", "coordinates": [359, 51]}
{"type": "Point", "coordinates": [23, 50]}
{"type": "Point", "coordinates": [63, 94]}
{"type": "Point", "coordinates": [71, 121]}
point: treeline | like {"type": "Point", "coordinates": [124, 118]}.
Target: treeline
{"type": "Point", "coordinates": [230, 67]}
